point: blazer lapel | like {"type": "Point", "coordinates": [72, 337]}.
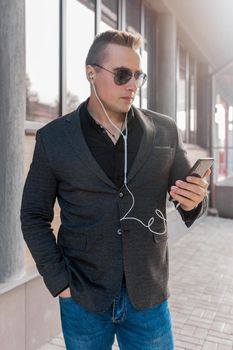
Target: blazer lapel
{"type": "Point", "coordinates": [76, 139]}
{"type": "Point", "coordinates": [145, 145]}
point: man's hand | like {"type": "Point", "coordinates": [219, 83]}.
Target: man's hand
{"type": "Point", "coordinates": [191, 192]}
{"type": "Point", "coordinates": [65, 293]}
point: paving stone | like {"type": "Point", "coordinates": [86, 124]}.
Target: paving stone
{"type": "Point", "coordinates": [217, 326]}
{"type": "Point", "coordinates": [186, 346]}
{"type": "Point", "coordinates": [198, 312]}
{"type": "Point", "coordinates": [188, 330]}
{"type": "Point", "coordinates": [221, 335]}
{"type": "Point", "coordinates": [50, 346]}
{"type": "Point", "coordinates": [180, 317]}
{"type": "Point", "coordinates": [224, 347]}
{"type": "Point", "coordinates": [189, 339]}
{"type": "Point", "coordinates": [209, 314]}
{"type": "Point", "coordinates": [228, 328]}
{"type": "Point", "coordinates": [209, 346]}
{"type": "Point", "coordinates": [58, 341]}
{"type": "Point", "coordinates": [218, 340]}
{"type": "Point", "coordinates": [200, 333]}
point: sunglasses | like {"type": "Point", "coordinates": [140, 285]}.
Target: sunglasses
{"type": "Point", "coordinates": [123, 75]}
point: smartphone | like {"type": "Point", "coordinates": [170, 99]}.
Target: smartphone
{"type": "Point", "coordinates": [199, 168]}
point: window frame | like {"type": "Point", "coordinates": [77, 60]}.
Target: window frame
{"type": "Point", "coordinates": [188, 136]}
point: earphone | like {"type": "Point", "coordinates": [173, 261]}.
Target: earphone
{"type": "Point", "coordinates": [91, 76]}
{"type": "Point", "coordinates": [125, 136]}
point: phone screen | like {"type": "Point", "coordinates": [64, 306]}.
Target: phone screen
{"type": "Point", "coordinates": [201, 166]}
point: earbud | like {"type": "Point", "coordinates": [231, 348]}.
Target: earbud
{"type": "Point", "coordinates": [91, 76]}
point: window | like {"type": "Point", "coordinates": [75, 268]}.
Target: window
{"type": "Point", "coordinates": [133, 11]}
{"type": "Point", "coordinates": [223, 139]}
{"type": "Point", "coordinates": [148, 54]}
{"type": "Point", "coordinates": [230, 141]}
{"type": "Point", "coordinates": [192, 103]}
{"type": "Point", "coordinates": [181, 92]}
{"type": "Point", "coordinates": [186, 96]}
{"type": "Point", "coordinates": [42, 60]}
{"type": "Point", "coordinates": [78, 43]}
{"type": "Point", "coordinates": [109, 15]}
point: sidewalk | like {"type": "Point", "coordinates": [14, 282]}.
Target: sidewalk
{"type": "Point", "coordinates": [201, 285]}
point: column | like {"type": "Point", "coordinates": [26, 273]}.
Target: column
{"type": "Point", "coordinates": [166, 65]}
{"type": "Point", "coordinates": [204, 118]}
{"type": "Point", "coordinates": [12, 114]}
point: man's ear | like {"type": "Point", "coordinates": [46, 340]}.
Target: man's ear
{"type": "Point", "coordinates": [90, 73]}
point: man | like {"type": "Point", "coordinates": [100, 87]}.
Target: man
{"type": "Point", "coordinates": [110, 166]}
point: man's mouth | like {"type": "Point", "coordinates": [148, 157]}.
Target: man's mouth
{"type": "Point", "coordinates": [128, 98]}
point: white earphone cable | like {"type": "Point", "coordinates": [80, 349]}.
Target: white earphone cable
{"type": "Point", "coordinates": [125, 217]}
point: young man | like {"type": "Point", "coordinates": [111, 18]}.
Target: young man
{"type": "Point", "coordinates": [110, 166]}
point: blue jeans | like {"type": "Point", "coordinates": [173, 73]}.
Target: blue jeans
{"type": "Point", "coordinates": [148, 329]}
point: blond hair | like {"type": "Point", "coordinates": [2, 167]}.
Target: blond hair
{"type": "Point", "coordinates": [97, 52]}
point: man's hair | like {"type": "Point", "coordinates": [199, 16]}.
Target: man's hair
{"type": "Point", "coordinates": [97, 52]}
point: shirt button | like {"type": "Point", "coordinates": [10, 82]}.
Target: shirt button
{"type": "Point", "coordinates": [121, 194]}
{"type": "Point", "coordinates": [119, 231]}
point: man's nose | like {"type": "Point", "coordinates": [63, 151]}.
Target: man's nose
{"type": "Point", "coordinates": [132, 85]}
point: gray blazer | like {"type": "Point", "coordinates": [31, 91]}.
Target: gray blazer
{"type": "Point", "coordinates": [94, 247]}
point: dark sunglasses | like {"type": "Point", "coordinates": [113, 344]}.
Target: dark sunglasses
{"type": "Point", "coordinates": [123, 75]}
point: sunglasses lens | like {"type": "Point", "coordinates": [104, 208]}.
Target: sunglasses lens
{"type": "Point", "coordinates": [140, 79]}
{"type": "Point", "coordinates": [122, 76]}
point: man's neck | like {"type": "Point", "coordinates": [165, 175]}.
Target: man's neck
{"type": "Point", "coordinates": [97, 112]}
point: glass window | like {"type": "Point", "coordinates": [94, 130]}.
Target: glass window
{"type": "Point", "coordinates": [109, 11]}
{"type": "Point", "coordinates": [145, 70]}
{"type": "Point", "coordinates": [230, 119]}
{"type": "Point", "coordinates": [186, 96]}
{"type": "Point", "coordinates": [220, 141]}
{"type": "Point", "coordinates": [42, 59]}
{"type": "Point", "coordinates": [181, 92]}
{"type": "Point", "coordinates": [78, 42]}
{"type": "Point", "coordinates": [192, 102]}
{"type": "Point", "coordinates": [230, 141]}
{"type": "Point", "coordinates": [133, 11]}
{"type": "Point", "coordinates": [148, 54]}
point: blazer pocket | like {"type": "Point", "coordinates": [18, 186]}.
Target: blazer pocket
{"type": "Point", "coordinates": [78, 240]}
{"type": "Point", "coordinates": [163, 147]}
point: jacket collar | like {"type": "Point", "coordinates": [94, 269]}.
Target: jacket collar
{"type": "Point", "coordinates": [77, 140]}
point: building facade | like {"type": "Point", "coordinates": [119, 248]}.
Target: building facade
{"type": "Point", "coordinates": [43, 46]}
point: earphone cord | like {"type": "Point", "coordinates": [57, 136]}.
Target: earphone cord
{"type": "Point", "coordinates": [125, 217]}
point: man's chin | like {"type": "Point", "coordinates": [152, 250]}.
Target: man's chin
{"type": "Point", "coordinates": [126, 108]}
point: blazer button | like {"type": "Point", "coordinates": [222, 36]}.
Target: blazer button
{"type": "Point", "coordinates": [119, 231]}
{"type": "Point", "coordinates": [121, 194]}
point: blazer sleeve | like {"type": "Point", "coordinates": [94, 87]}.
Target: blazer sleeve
{"type": "Point", "coordinates": [179, 171]}
{"type": "Point", "coordinates": [37, 211]}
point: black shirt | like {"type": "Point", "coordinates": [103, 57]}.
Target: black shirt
{"type": "Point", "coordinates": [108, 155]}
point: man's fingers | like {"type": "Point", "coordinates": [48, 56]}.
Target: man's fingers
{"type": "Point", "coordinates": [193, 193]}
{"type": "Point", "coordinates": [207, 173]}
{"type": "Point", "coordinates": [201, 182]}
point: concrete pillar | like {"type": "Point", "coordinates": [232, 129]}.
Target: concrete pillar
{"type": "Point", "coordinates": [12, 114]}
{"type": "Point", "coordinates": [203, 105]}
{"type": "Point", "coordinates": [166, 65]}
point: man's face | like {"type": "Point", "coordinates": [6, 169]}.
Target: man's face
{"type": "Point", "coordinates": [117, 98]}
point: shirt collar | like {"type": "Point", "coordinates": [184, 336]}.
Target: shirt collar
{"type": "Point", "coordinates": [130, 116]}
